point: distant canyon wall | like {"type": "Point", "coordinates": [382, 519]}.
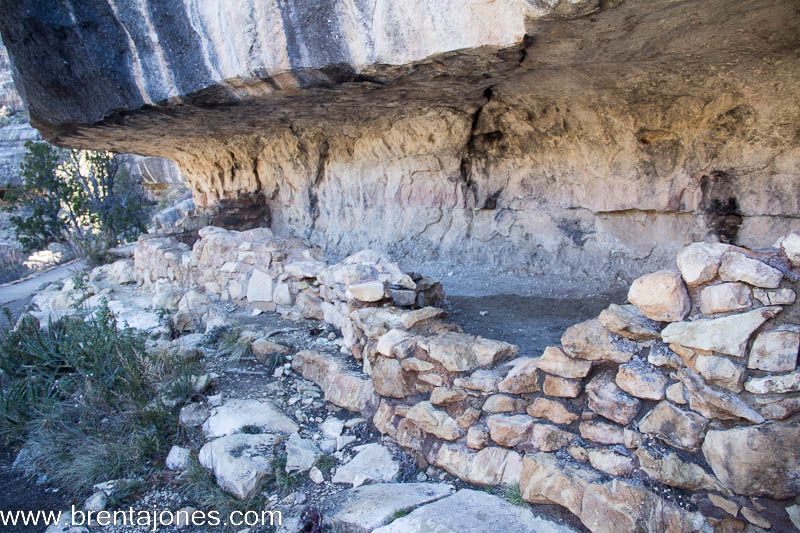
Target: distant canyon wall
{"type": "Point", "coordinates": [583, 142]}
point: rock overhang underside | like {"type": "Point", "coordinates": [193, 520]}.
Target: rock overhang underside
{"type": "Point", "coordinates": [532, 133]}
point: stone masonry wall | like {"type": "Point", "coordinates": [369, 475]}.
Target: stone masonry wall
{"type": "Point", "coordinates": [676, 412]}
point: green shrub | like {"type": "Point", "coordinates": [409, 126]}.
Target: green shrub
{"type": "Point", "coordinates": [85, 198]}
{"type": "Point", "coordinates": [86, 399]}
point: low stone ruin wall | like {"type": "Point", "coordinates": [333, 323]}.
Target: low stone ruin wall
{"type": "Point", "coordinates": [677, 412]}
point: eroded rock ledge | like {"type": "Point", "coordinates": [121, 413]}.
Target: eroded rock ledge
{"type": "Point", "coordinates": [593, 137]}
{"type": "Point", "coordinates": [676, 412]}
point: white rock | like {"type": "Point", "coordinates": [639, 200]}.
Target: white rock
{"type": "Point", "coordinates": [661, 296]}
{"type": "Point", "coordinates": [725, 297]}
{"type": "Point", "coordinates": [177, 458]}
{"type": "Point", "coordinates": [373, 463]}
{"type": "Point", "coordinates": [791, 247]}
{"type": "Point", "coordinates": [736, 266]}
{"type": "Point", "coordinates": [259, 288]}
{"type": "Point", "coordinates": [332, 427]}
{"type": "Point", "coordinates": [699, 261]}
{"type": "Point", "coordinates": [370, 291]}
{"type": "Point", "coordinates": [315, 475]}
{"type": "Point", "coordinates": [96, 502]}
{"type": "Point", "coordinates": [775, 350]}
{"type": "Point", "coordinates": [301, 454]}
{"type": "Point", "coordinates": [779, 384]}
{"type": "Point", "coordinates": [728, 334]}
{"type": "Point", "coordinates": [235, 414]}
{"type": "Point", "coordinates": [720, 371]}
{"type": "Point", "coordinates": [239, 462]}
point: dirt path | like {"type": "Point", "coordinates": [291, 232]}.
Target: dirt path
{"type": "Point", "coordinates": [15, 295]}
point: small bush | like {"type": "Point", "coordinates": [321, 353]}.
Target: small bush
{"type": "Point", "coordinates": [86, 399]}
{"type": "Point", "coordinates": [234, 345]}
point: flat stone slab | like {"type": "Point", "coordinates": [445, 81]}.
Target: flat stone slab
{"type": "Point", "coordinates": [372, 463]}
{"type": "Point", "coordinates": [239, 462]}
{"type": "Point", "coordinates": [366, 508]}
{"type": "Point", "coordinates": [473, 511]}
{"type": "Point", "coordinates": [233, 415]}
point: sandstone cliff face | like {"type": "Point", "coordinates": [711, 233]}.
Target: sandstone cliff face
{"type": "Point", "coordinates": [598, 136]}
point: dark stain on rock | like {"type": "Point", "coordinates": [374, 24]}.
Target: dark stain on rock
{"type": "Point", "coordinates": [720, 205]}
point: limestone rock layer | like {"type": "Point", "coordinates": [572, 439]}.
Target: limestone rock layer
{"type": "Point", "coordinates": [597, 136]}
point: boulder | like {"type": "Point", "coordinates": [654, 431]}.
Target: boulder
{"type": "Point", "coordinates": [609, 401]}
{"type": "Point", "coordinates": [679, 428]}
{"type": "Point", "coordinates": [759, 461]}
{"type": "Point", "coordinates": [641, 380]}
{"type": "Point", "coordinates": [627, 321]}
{"type": "Point", "coordinates": [369, 291]}
{"type": "Point", "coordinates": [591, 341]}
{"type": "Point", "coordinates": [433, 421]}
{"type": "Point", "coordinates": [459, 352]}
{"type": "Point", "coordinates": [554, 361]}
{"type": "Point", "coordinates": [373, 463]}
{"type": "Point", "coordinates": [552, 410]}
{"type": "Point", "coordinates": [725, 297]}
{"type": "Point", "coordinates": [714, 403]}
{"type": "Point", "coordinates": [780, 384]}
{"type": "Point", "coordinates": [728, 335]}
{"type": "Point", "coordinates": [233, 415]}
{"type": "Point", "coordinates": [473, 511]}
{"type": "Point", "coordinates": [262, 348]}
{"type": "Point", "coordinates": [699, 262]}
{"type": "Point", "coordinates": [720, 371]}
{"type": "Point", "coordinates": [510, 430]}
{"type": "Point", "coordinates": [736, 266]}
{"type": "Point", "coordinates": [363, 509]}
{"type": "Point", "coordinates": [668, 468]}
{"type": "Point", "coordinates": [239, 462]}
{"type": "Point", "coordinates": [661, 296]}
{"type": "Point", "coordinates": [775, 350]}
{"type": "Point", "coordinates": [301, 454]}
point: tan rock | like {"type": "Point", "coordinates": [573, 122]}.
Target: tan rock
{"type": "Point", "coordinates": [385, 420]}
{"type": "Point", "coordinates": [728, 335]}
{"type": "Point", "coordinates": [468, 418]}
{"type": "Point", "coordinates": [368, 291]}
{"type": "Point", "coordinates": [609, 401]}
{"type": "Point", "coordinates": [591, 341]}
{"type": "Point", "coordinates": [547, 438]}
{"type": "Point", "coordinates": [670, 469]}
{"type": "Point", "coordinates": [262, 348]}
{"type": "Point", "coordinates": [522, 378]}
{"type": "Point", "coordinates": [756, 519]}
{"type": "Point", "coordinates": [778, 408]}
{"type": "Point", "coordinates": [443, 396]}
{"type": "Point", "coordinates": [775, 350]}
{"type": "Point", "coordinates": [477, 437]}
{"type": "Point", "coordinates": [546, 479]}
{"type": "Point", "coordinates": [676, 393]}
{"type": "Point", "coordinates": [725, 297]}
{"type": "Point", "coordinates": [388, 378]}
{"type": "Point", "coordinates": [714, 403]}
{"type": "Point", "coordinates": [661, 356]}
{"type": "Point", "coordinates": [661, 296]}
{"type": "Point", "coordinates": [736, 266]}
{"type": "Point", "coordinates": [699, 262]}
{"type": "Point", "coordinates": [491, 466]}
{"type": "Point", "coordinates": [782, 296]}
{"type": "Point", "coordinates": [459, 352]}
{"type": "Point", "coordinates": [510, 430]}
{"type": "Point", "coordinates": [780, 384]}
{"type": "Point", "coordinates": [503, 403]}
{"type": "Point", "coordinates": [412, 364]}
{"type": "Point", "coordinates": [561, 387]}
{"type": "Point", "coordinates": [338, 385]}
{"type": "Point", "coordinates": [679, 428]}
{"type": "Point", "coordinates": [485, 381]}
{"type": "Point", "coordinates": [627, 321]}
{"type": "Point", "coordinates": [720, 371]}
{"type": "Point", "coordinates": [641, 380]}
{"type": "Point", "coordinates": [552, 410]}
{"type": "Point", "coordinates": [611, 462]}
{"type": "Point", "coordinates": [434, 421]}
{"type": "Point", "coordinates": [416, 317]}
{"type": "Point", "coordinates": [602, 432]}
{"type": "Point", "coordinates": [390, 340]}
{"type": "Point", "coordinates": [554, 361]}
{"type": "Point", "coordinates": [730, 507]}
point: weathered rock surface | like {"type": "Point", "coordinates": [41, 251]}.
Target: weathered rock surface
{"type": "Point", "coordinates": [301, 454]}
{"type": "Point", "coordinates": [364, 509]}
{"type": "Point", "coordinates": [591, 341]}
{"type": "Point", "coordinates": [239, 462]}
{"type": "Point", "coordinates": [725, 297]}
{"type": "Point", "coordinates": [627, 321]}
{"type": "Point", "coordinates": [339, 386]}
{"type": "Point", "coordinates": [682, 429]}
{"type": "Point", "coordinates": [372, 463]}
{"type": "Point", "coordinates": [728, 335]}
{"type": "Point", "coordinates": [474, 511]}
{"type": "Point", "coordinates": [757, 460]}
{"type": "Point", "coordinates": [609, 401]}
{"type": "Point", "coordinates": [775, 350]}
{"type": "Point", "coordinates": [699, 262]}
{"type": "Point", "coordinates": [432, 420]}
{"type": "Point", "coordinates": [736, 266]}
{"type": "Point", "coordinates": [459, 352]}
{"type": "Point", "coordinates": [233, 415]}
